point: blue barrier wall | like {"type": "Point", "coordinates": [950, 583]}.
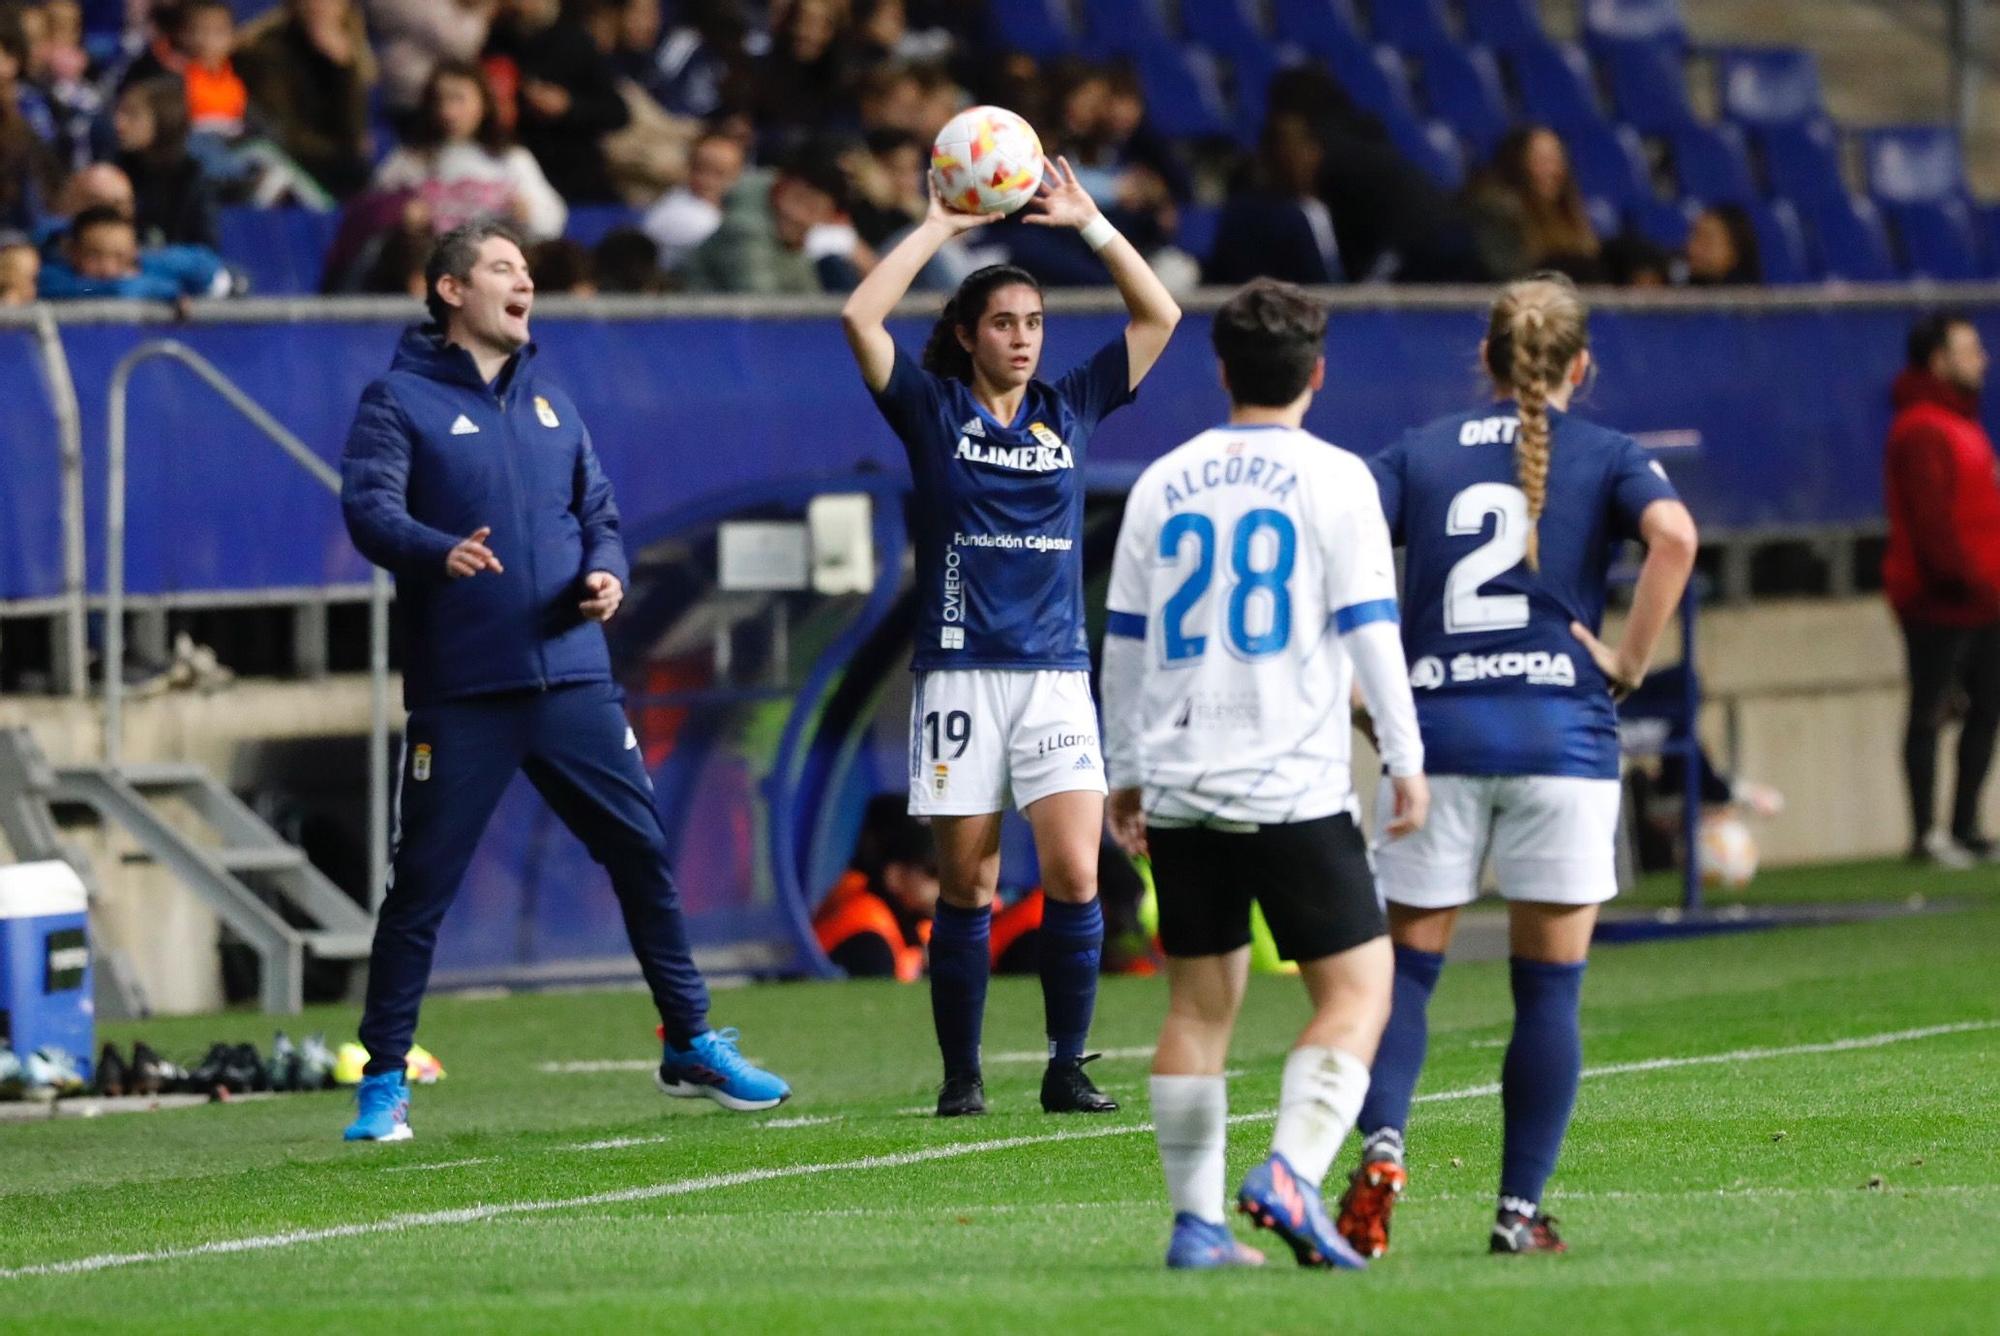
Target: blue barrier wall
{"type": "Point", "coordinates": [1787, 406]}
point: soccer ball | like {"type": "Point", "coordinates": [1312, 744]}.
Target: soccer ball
{"type": "Point", "coordinates": [1728, 851]}
{"type": "Point", "coordinates": [986, 160]}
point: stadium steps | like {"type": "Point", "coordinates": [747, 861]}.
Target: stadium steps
{"type": "Point", "coordinates": [263, 889]}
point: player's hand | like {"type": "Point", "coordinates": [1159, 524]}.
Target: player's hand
{"type": "Point", "coordinates": [472, 556]}
{"type": "Point", "coordinates": [605, 596]}
{"type": "Point", "coordinates": [1624, 677]}
{"type": "Point", "coordinates": [1413, 805]}
{"type": "Point", "coordinates": [951, 220]}
{"type": "Point", "coordinates": [1062, 201]}
{"type": "Point", "coordinates": [1126, 812]}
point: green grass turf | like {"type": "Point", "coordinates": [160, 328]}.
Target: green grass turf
{"type": "Point", "coordinates": [1725, 1197]}
{"type": "Point", "coordinates": [1881, 880]}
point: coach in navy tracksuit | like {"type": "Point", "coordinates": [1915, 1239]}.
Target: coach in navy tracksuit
{"type": "Point", "coordinates": [473, 480]}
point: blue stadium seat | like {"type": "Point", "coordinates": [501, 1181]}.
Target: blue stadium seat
{"type": "Point", "coordinates": [282, 250]}
{"type": "Point", "coordinates": [1711, 164]}
{"type": "Point", "coordinates": [1326, 28]}
{"type": "Point", "coordinates": [1663, 222]}
{"type": "Point", "coordinates": [1781, 242]}
{"type": "Point", "coordinates": [1378, 81]}
{"type": "Point", "coordinates": [590, 223]}
{"type": "Point", "coordinates": [1986, 221]}
{"type": "Point", "coordinates": [1777, 85]}
{"type": "Point", "coordinates": [1250, 75]}
{"type": "Point", "coordinates": [1853, 244]}
{"type": "Point", "coordinates": [1635, 20]}
{"type": "Point", "coordinates": [1913, 163]}
{"type": "Point", "coordinates": [1505, 25]}
{"type": "Point", "coordinates": [1415, 26]}
{"type": "Point", "coordinates": [1440, 154]}
{"type": "Point", "coordinates": [1197, 230]}
{"type": "Point", "coordinates": [1183, 91]}
{"type": "Point", "coordinates": [1609, 163]}
{"type": "Point", "coordinates": [1229, 28]}
{"type": "Point", "coordinates": [1122, 27]}
{"type": "Point", "coordinates": [1462, 85]}
{"type": "Point", "coordinates": [1039, 27]}
{"type": "Point", "coordinates": [1555, 85]}
{"type": "Point", "coordinates": [1936, 239]}
{"type": "Point", "coordinates": [1802, 162]}
{"type": "Point", "coordinates": [1648, 85]}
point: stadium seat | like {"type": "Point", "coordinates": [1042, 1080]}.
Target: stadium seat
{"type": "Point", "coordinates": [1656, 21]}
{"type": "Point", "coordinates": [1648, 85]}
{"type": "Point", "coordinates": [1781, 242]}
{"type": "Point", "coordinates": [1122, 28]}
{"type": "Point", "coordinates": [1183, 90]}
{"type": "Point", "coordinates": [1378, 82]}
{"type": "Point", "coordinates": [1039, 27]}
{"type": "Point", "coordinates": [1442, 155]}
{"type": "Point", "coordinates": [1197, 230]}
{"type": "Point", "coordinates": [1326, 28]}
{"type": "Point", "coordinates": [1768, 85]}
{"type": "Point", "coordinates": [1802, 162]}
{"type": "Point", "coordinates": [1462, 85]}
{"type": "Point", "coordinates": [1250, 75]}
{"type": "Point", "coordinates": [1986, 226]}
{"type": "Point", "coordinates": [1505, 25]}
{"type": "Point", "coordinates": [1936, 239]}
{"type": "Point", "coordinates": [1662, 222]}
{"type": "Point", "coordinates": [1230, 28]}
{"type": "Point", "coordinates": [1711, 164]}
{"type": "Point", "coordinates": [1555, 85]}
{"type": "Point", "coordinates": [1913, 163]}
{"type": "Point", "coordinates": [1415, 26]}
{"type": "Point", "coordinates": [1609, 163]}
{"type": "Point", "coordinates": [282, 250]}
{"type": "Point", "coordinates": [1853, 244]}
{"type": "Point", "coordinates": [591, 223]}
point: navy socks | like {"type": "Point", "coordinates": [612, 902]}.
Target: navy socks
{"type": "Point", "coordinates": [1538, 1082]}
{"type": "Point", "coordinates": [961, 961]}
{"type": "Point", "coordinates": [1400, 1057]}
{"type": "Point", "coordinates": [1072, 944]}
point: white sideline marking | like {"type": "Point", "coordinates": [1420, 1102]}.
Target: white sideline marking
{"type": "Point", "coordinates": [1042, 1054]}
{"type": "Point", "coordinates": [800, 1122]}
{"type": "Point", "coordinates": [397, 1224]}
{"type": "Point", "coordinates": [596, 1065]}
{"type": "Point", "coordinates": [617, 1143]}
{"type": "Point", "coordinates": [441, 1164]}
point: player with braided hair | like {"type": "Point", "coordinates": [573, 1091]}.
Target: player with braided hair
{"type": "Point", "coordinates": [1510, 516]}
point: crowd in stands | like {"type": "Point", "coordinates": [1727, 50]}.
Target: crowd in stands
{"type": "Point", "coordinates": [757, 146]}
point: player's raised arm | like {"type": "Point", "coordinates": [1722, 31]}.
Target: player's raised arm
{"type": "Point", "coordinates": [1668, 531]}
{"type": "Point", "coordinates": [1063, 202]}
{"type": "Point", "coordinates": [868, 306]}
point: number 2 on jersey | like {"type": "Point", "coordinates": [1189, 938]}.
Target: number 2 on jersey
{"type": "Point", "coordinates": [1465, 608]}
{"type": "Point", "coordinates": [1247, 581]}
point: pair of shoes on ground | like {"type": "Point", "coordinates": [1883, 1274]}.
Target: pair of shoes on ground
{"type": "Point", "coordinates": [710, 1067]}
{"type": "Point", "coordinates": [45, 1074]}
{"type": "Point", "coordinates": [1066, 1088]}
{"type": "Point", "coordinates": [1956, 853]}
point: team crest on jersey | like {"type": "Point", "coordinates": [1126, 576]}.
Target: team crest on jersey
{"type": "Point", "coordinates": [545, 412]}
{"type": "Point", "coordinates": [1427, 673]}
{"type": "Point", "coordinates": [940, 778]}
{"type": "Point", "coordinates": [420, 762]}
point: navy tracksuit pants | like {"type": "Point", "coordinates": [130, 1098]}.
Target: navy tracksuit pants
{"type": "Point", "coordinates": [579, 753]}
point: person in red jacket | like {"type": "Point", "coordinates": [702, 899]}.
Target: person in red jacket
{"type": "Point", "coordinates": [1942, 575]}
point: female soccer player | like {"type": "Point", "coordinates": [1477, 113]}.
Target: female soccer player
{"type": "Point", "coordinates": [1002, 707]}
{"type": "Point", "coordinates": [1511, 515]}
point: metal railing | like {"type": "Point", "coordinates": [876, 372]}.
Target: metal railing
{"type": "Point", "coordinates": [114, 582]}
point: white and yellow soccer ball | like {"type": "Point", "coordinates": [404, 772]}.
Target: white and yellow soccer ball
{"type": "Point", "coordinates": [986, 160]}
{"type": "Point", "coordinates": [1728, 851]}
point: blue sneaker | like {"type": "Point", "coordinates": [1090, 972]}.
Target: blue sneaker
{"type": "Point", "coordinates": [385, 1110]}
{"type": "Point", "coordinates": [1282, 1202]}
{"type": "Point", "coordinates": [1203, 1245]}
{"type": "Point", "coordinates": [711, 1066]}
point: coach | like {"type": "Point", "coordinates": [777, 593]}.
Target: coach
{"type": "Point", "coordinates": [1942, 574]}
{"type": "Point", "coordinates": [472, 479]}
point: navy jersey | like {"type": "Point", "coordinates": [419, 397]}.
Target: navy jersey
{"type": "Point", "coordinates": [1502, 686]}
{"type": "Point", "coordinates": [999, 512]}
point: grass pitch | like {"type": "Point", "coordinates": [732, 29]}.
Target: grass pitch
{"type": "Point", "coordinates": [1832, 1163]}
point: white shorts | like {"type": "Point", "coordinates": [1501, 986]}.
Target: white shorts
{"type": "Point", "coordinates": [1553, 839]}
{"type": "Point", "coordinates": [982, 739]}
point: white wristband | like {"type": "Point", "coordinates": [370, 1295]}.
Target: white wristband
{"type": "Point", "coordinates": [1098, 232]}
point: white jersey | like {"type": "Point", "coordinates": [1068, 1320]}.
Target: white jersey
{"type": "Point", "coordinates": [1249, 560]}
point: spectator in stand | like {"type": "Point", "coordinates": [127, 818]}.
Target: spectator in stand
{"type": "Point", "coordinates": [701, 67]}
{"type": "Point", "coordinates": [1275, 225]}
{"type": "Point", "coordinates": [459, 163]}
{"type": "Point", "coordinates": [786, 232]}
{"type": "Point", "coordinates": [309, 71]}
{"type": "Point", "coordinates": [1530, 213]}
{"type": "Point", "coordinates": [1722, 248]}
{"type": "Point", "coordinates": [803, 82]}
{"type": "Point", "coordinates": [218, 103]}
{"type": "Point", "coordinates": [565, 97]}
{"type": "Point", "coordinates": [561, 267]}
{"type": "Point", "coordinates": [626, 261]}
{"type": "Point", "coordinates": [412, 36]}
{"type": "Point", "coordinates": [101, 258]}
{"type": "Point", "coordinates": [173, 198]}
{"type": "Point", "coordinates": [20, 264]}
{"type": "Point", "coordinates": [98, 185]}
{"type": "Point", "coordinates": [1942, 576]}
{"type": "Point", "coordinates": [689, 214]}
{"type": "Point", "coordinates": [890, 96]}
{"type": "Point", "coordinates": [22, 153]}
{"type": "Point", "coordinates": [59, 68]}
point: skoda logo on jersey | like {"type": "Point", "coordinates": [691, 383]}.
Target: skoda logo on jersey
{"type": "Point", "coordinates": [1427, 673]}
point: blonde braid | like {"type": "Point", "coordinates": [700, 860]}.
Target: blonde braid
{"type": "Point", "coordinates": [1532, 381]}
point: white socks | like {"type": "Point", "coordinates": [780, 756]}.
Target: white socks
{"type": "Point", "coordinates": [1317, 1106]}
{"type": "Point", "coordinates": [1190, 1116]}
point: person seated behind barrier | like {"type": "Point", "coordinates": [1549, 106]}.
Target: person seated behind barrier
{"type": "Point", "coordinates": [876, 920]}
{"type": "Point", "coordinates": [1277, 226]}
{"type": "Point", "coordinates": [1722, 248]}
{"type": "Point", "coordinates": [690, 213]}
{"type": "Point", "coordinates": [784, 233]}
{"type": "Point", "coordinates": [460, 162]}
{"type": "Point", "coordinates": [564, 91]}
{"type": "Point", "coordinates": [101, 258]}
{"type": "Point", "coordinates": [171, 197]}
{"type": "Point", "coordinates": [309, 70]}
{"type": "Point", "coordinates": [1529, 212]}
{"type": "Point", "coordinates": [20, 264]}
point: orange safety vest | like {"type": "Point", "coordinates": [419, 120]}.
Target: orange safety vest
{"type": "Point", "coordinates": [851, 909]}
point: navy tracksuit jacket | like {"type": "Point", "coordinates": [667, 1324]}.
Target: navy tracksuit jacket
{"type": "Point", "coordinates": [502, 673]}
